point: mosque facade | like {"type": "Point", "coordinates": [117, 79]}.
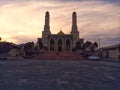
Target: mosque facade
{"type": "Point", "coordinates": [60, 42]}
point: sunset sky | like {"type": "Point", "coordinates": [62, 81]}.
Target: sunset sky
{"type": "Point", "coordinates": [23, 20]}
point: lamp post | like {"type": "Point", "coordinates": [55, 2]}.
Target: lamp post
{"type": "Point", "coordinates": [99, 45]}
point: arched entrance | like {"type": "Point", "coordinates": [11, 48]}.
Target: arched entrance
{"type": "Point", "coordinates": [52, 45]}
{"type": "Point", "coordinates": [67, 45]}
{"type": "Point", "coordinates": [59, 45]}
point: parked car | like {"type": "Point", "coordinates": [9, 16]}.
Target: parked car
{"type": "Point", "coordinates": [94, 57]}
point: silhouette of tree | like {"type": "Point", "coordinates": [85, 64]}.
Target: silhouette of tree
{"type": "Point", "coordinates": [88, 44]}
{"type": "Point", "coordinates": [83, 46]}
{"type": "Point", "coordinates": [28, 47]}
{"type": "Point", "coordinates": [40, 43]}
{"type": "Point", "coordinates": [77, 46]}
{"type": "Point", "coordinates": [92, 48]}
{"type": "Point", "coordinates": [95, 44]}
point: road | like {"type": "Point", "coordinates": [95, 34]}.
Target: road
{"type": "Point", "coordinates": [59, 75]}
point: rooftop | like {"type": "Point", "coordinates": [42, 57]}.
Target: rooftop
{"type": "Point", "coordinates": [60, 33]}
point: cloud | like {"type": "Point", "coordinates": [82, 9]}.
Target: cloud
{"type": "Point", "coordinates": [23, 20]}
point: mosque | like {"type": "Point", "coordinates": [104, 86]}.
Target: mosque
{"type": "Point", "coordinates": [60, 42]}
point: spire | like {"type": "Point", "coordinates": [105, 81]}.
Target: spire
{"type": "Point", "coordinates": [74, 29]}
{"type": "Point", "coordinates": [47, 21]}
{"type": "Point", "coordinates": [74, 22]}
{"type": "Point", "coordinates": [74, 19]}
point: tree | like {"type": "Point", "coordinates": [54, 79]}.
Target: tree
{"type": "Point", "coordinates": [88, 44]}
{"type": "Point", "coordinates": [95, 44]}
{"type": "Point", "coordinates": [77, 46]}
{"type": "Point", "coordinates": [83, 46]}
{"type": "Point", "coordinates": [28, 47]}
{"type": "Point", "coordinates": [40, 43]}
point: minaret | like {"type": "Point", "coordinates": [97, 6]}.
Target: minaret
{"type": "Point", "coordinates": [74, 22]}
{"type": "Point", "coordinates": [47, 21]}
{"type": "Point", "coordinates": [46, 31]}
{"type": "Point", "coordinates": [74, 29]}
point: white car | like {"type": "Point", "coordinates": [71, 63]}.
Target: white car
{"type": "Point", "coordinates": [94, 57]}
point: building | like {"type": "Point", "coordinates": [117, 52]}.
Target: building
{"type": "Point", "coordinates": [7, 48]}
{"type": "Point", "coordinates": [60, 41]}
{"type": "Point", "coordinates": [112, 52]}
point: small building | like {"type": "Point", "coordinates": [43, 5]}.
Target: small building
{"type": "Point", "coordinates": [15, 50]}
{"type": "Point", "coordinates": [5, 47]}
{"type": "Point", "coordinates": [112, 52]}
{"type": "Point", "coordinates": [8, 49]}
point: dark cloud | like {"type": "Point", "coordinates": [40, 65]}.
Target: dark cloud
{"type": "Point", "coordinates": [92, 14]}
{"type": "Point", "coordinates": [106, 1]}
{"type": "Point", "coordinates": [19, 1]}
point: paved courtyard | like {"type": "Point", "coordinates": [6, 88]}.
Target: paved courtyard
{"type": "Point", "coordinates": [59, 75]}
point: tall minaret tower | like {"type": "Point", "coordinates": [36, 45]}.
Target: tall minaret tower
{"type": "Point", "coordinates": [46, 31]}
{"type": "Point", "coordinates": [74, 29]}
{"type": "Point", "coordinates": [47, 21]}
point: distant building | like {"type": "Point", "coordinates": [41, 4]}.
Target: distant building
{"type": "Point", "coordinates": [5, 47]}
{"type": "Point", "coordinates": [60, 41]}
{"type": "Point", "coordinates": [112, 52]}
{"type": "Point", "coordinates": [9, 49]}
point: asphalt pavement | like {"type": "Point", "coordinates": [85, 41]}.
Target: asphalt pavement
{"type": "Point", "coordinates": [59, 75]}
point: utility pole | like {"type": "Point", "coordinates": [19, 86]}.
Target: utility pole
{"type": "Point", "coordinates": [99, 44]}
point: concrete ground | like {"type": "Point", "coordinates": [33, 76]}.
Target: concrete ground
{"type": "Point", "coordinates": [59, 75]}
